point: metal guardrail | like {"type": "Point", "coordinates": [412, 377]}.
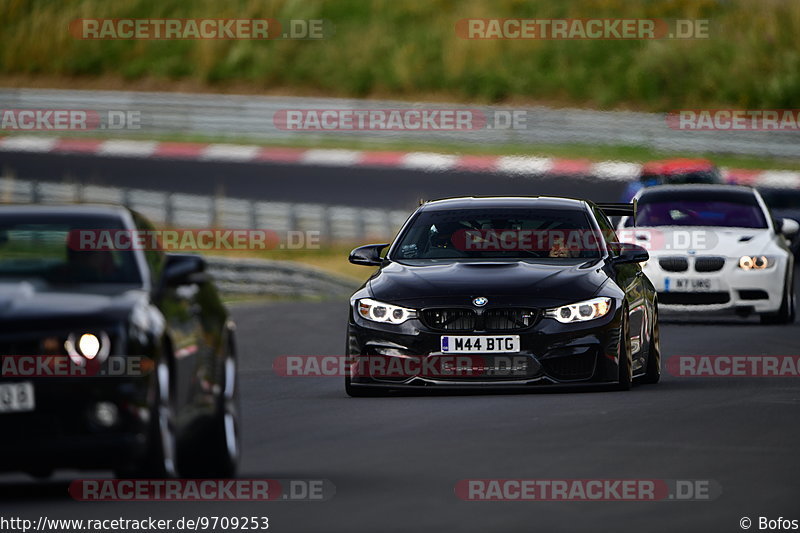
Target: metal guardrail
{"type": "Point", "coordinates": [234, 275]}
{"type": "Point", "coordinates": [227, 116]}
{"type": "Point", "coordinates": [258, 277]}
{"type": "Point", "coordinates": [334, 223]}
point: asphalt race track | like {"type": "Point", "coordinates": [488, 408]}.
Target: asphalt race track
{"type": "Point", "coordinates": [395, 461]}
{"type": "Point", "coordinates": [356, 186]}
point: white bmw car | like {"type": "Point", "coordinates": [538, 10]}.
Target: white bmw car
{"type": "Point", "coordinates": [715, 248]}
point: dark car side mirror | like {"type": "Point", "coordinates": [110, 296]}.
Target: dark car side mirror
{"type": "Point", "coordinates": [369, 255]}
{"type": "Point", "coordinates": [626, 253]}
{"type": "Point", "coordinates": [184, 269]}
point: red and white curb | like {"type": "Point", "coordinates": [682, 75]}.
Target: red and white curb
{"type": "Point", "coordinates": [424, 161]}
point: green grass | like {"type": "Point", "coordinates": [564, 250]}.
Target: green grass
{"type": "Point", "coordinates": [409, 50]}
{"type": "Point", "coordinates": [331, 259]}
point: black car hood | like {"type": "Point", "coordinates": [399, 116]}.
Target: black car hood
{"type": "Point", "coordinates": [502, 282]}
{"type": "Point", "coordinates": [28, 302]}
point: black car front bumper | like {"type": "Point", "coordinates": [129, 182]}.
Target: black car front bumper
{"type": "Point", "coordinates": [551, 353]}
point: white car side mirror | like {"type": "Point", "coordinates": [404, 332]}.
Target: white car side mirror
{"type": "Point", "coordinates": [789, 227]}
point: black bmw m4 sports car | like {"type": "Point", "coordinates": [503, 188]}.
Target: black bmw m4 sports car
{"type": "Point", "coordinates": [503, 292]}
{"type": "Point", "coordinates": [112, 359]}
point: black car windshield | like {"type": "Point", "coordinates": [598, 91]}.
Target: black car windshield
{"type": "Point", "coordinates": [741, 212]}
{"type": "Point", "coordinates": [33, 249]}
{"type": "Point", "coordinates": [499, 233]}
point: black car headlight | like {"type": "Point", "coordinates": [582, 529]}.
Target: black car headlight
{"type": "Point", "coordinates": [756, 262]}
{"type": "Point", "coordinates": [581, 311]}
{"type": "Point", "coordinates": [89, 346]}
{"type": "Point", "coordinates": [382, 312]}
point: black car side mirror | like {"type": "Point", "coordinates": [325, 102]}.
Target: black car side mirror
{"type": "Point", "coordinates": [183, 269]}
{"type": "Point", "coordinates": [369, 255]}
{"type": "Point", "coordinates": [628, 253]}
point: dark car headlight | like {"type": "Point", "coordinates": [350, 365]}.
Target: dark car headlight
{"type": "Point", "coordinates": [382, 312]}
{"type": "Point", "coordinates": [88, 346]}
{"type": "Point", "coordinates": [581, 311]}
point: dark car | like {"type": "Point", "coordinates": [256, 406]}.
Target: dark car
{"type": "Point", "coordinates": [503, 292]}
{"type": "Point", "coordinates": [784, 203]}
{"type": "Point", "coordinates": [172, 412]}
{"type": "Point", "coordinates": [677, 171]}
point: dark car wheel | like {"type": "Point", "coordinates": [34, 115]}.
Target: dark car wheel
{"type": "Point", "coordinates": [219, 456]}
{"type": "Point", "coordinates": [160, 456]}
{"type": "Point", "coordinates": [786, 313]}
{"type": "Point", "coordinates": [653, 370]}
{"type": "Point", "coordinates": [625, 380]}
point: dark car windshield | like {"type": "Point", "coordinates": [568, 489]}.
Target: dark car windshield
{"type": "Point", "coordinates": [499, 233]}
{"type": "Point", "coordinates": [692, 209]}
{"type": "Point", "coordinates": [31, 249]}
{"type": "Point", "coordinates": [700, 176]}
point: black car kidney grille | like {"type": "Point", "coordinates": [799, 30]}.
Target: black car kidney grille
{"type": "Point", "coordinates": [709, 264]}
{"type": "Point", "coordinates": [509, 319]}
{"type": "Point", "coordinates": [500, 319]}
{"type": "Point", "coordinates": [449, 319]}
{"type": "Point", "coordinates": [674, 264]}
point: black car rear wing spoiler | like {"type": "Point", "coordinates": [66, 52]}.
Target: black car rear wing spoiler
{"type": "Point", "coordinates": [620, 210]}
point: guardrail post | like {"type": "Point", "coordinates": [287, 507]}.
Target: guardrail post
{"type": "Point", "coordinates": [293, 219]}
{"type": "Point", "coordinates": [361, 226]}
{"type": "Point", "coordinates": [252, 214]}
{"type": "Point", "coordinates": [36, 194]}
{"type": "Point", "coordinates": [327, 233]}
{"type": "Point", "coordinates": [169, 210]}
{"type": "Point", "coordinates": [80, 193]}
{"type": "Point", "coordinates": [389, 227]}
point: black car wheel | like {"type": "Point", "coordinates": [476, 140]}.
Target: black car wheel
{"type": "Point", "coordinates": [625, 381]}
{"type": "Point", "coordinates": [160, 459]}
{"type": "Point", "coordinates": [653, 370]}
{"type": "Point", "coordinates": [786, 313]}
{"type": "Point", "coordinates": [219, 457]}
{"type": "Point", "coordinates": [226, 423]}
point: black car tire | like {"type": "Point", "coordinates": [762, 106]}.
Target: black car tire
{"type": "Point", "coordinates": [653, 370]}
{"type": "Point", "coordinates": [160, 458]}
{"type": "Point", "coordinates": [625, 379]}
{"type": "Point", "coordinates": [219, 456]}
{"type": "Point", "coordinates": [786, 312]}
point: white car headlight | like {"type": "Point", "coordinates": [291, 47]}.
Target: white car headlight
{"type": "Point", "coordinates": [88, 347]}
{"type": "Point", "coordinates": [756, 262]}
{"type": "Point", "coordinates": [581, 311]}
{"type": "Point", "coordinates": [383, 312]}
